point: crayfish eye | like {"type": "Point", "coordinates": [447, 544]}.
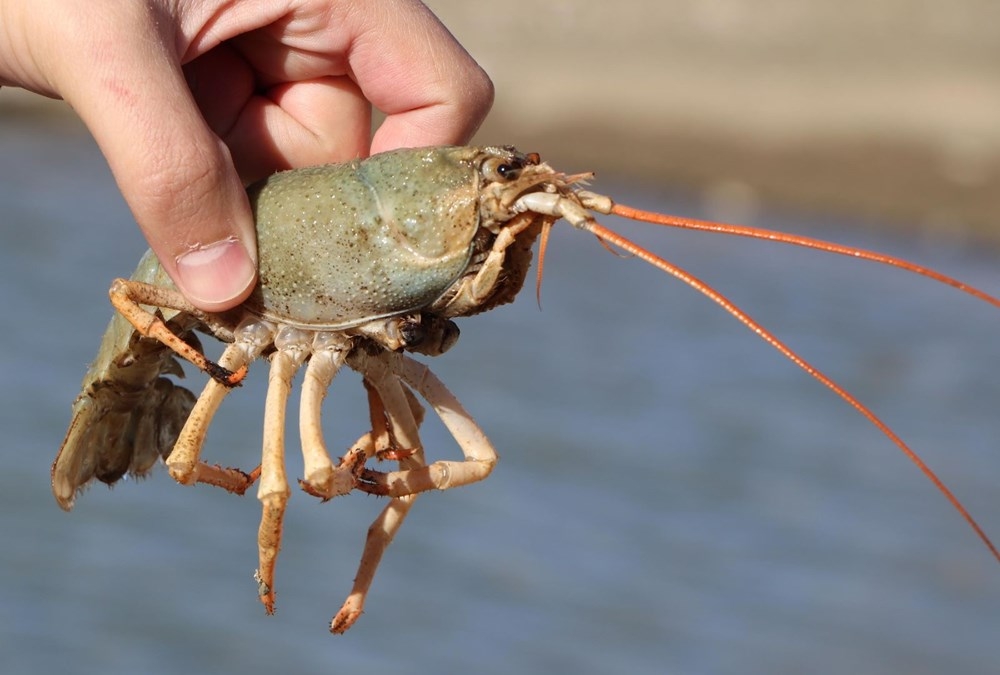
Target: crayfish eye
{"type": "Point", "coordinates": [497, 169]}
{"type": "Point", "coordinates": [508, 171]}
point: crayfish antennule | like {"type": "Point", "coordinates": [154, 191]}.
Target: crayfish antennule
{"type": "Point", "coordinates": [578, 178]}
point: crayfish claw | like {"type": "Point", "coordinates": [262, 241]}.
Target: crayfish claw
{"type": "Point", "coordinates": [336, 481]}
{"type": "Point", "coordinates": [394, 454]}
{"type": "Point", "coordinates": [373, 482]}
{"type": "Point", "coordinates": [308, 488]}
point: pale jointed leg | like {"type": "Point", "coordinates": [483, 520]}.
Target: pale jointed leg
{"type": "Point", "coordinates": [292, 347]}
{"type": "Point", "coordinates": [480, 456]}
{"type": "Point", "coordinates": [183, 462]}
{"type": "Point", "coordinates": [321, 478]}
{"type": "Point", "coordinates": [396, 416]}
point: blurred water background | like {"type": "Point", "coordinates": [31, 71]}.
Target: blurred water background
{"type": "Point", "coordinates": [672, 496]}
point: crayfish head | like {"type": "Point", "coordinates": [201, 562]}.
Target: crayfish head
{"type": "Point", "coordinates": [506, 175]}
{"type": "Point", "coordinates": [520, 196]}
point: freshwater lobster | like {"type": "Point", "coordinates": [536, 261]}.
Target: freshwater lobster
{"type": "Point", "coordinates": [360, 264]}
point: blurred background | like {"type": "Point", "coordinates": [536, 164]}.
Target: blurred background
{"type": "Point", "coordinates": [672, 496]}
{"type": "Point", "coordinates": [886, 108]}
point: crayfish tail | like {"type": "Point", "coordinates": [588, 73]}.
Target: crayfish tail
{"type": "Point", "coordinates": [113, 433]}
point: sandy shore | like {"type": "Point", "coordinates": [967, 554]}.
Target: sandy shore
{"type": "Point", "coordinates": [880, 108]}
{"type": "Point", "coordinates": [883, 108]}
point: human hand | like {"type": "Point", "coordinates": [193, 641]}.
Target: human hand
{"type": "Point", "coordinates": [190, 99]}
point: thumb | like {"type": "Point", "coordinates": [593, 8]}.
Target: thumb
{"type": "Point", "coordinates": [176, 175]}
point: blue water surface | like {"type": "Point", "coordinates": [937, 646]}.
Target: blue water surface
{"type": "Point", "coordinates": [672, 495]}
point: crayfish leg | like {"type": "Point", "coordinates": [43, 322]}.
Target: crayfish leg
{"type": "Point", "coordinates": [391, 374]}
{"type": "Point", "coordinates": [128, 296]}
{"type": "Point", "coordinates": [321, 478]}
{"type": "Point", "coordinates": [479, 455]}
{"type": "Point", "coordinates": [183, 461]}
{"type": "Point", "coordinates": [273, 491]}
{"type": "Point", "coordinates": [396, 416]}
{"type": "Point", "coordinates": [228, 478]}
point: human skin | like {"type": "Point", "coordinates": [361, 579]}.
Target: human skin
{"type": "Point", "coordinates": [189, 100]}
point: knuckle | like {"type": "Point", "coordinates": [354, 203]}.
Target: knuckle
{"type": "Point", "coordinates": [175, 185]}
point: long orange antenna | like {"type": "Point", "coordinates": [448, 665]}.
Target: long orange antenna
{"type": "Point", "coordinates": [621, 242]}
{"type": "Point", "coordinates": [796, 240]}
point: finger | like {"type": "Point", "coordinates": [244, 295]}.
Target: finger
{"type": "Point", "coordinates": [411, 68]}
{"type": "Point", "coordinates": [404, 60]}
{"type": "Point", "coordinates": [175, 174]}
{"type": "Point", "coordinates": [315, 121]}
{"type": "Point", "coordinates": [302, 124]}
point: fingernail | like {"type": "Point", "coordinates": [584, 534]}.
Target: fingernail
{"type": "Point", "coordinates": [213, 276]}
